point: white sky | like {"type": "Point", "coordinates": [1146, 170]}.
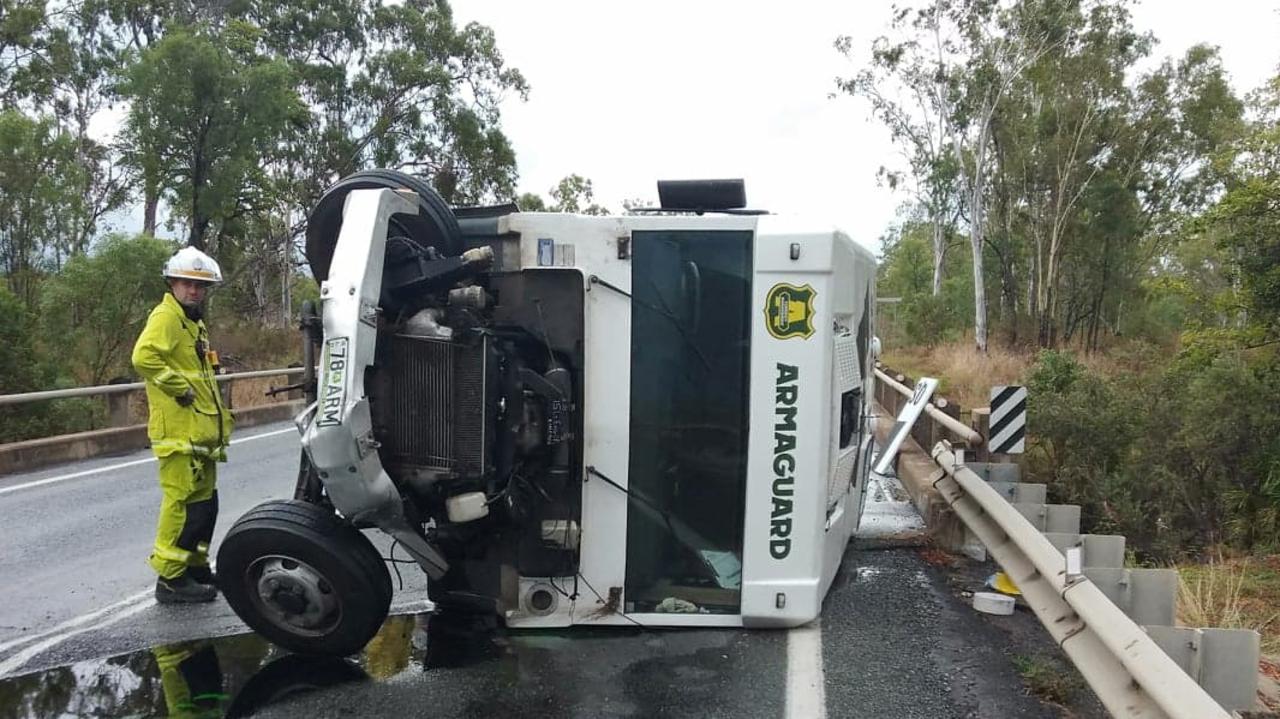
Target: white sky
{"type": "Point", "coordinates": [626, 94]}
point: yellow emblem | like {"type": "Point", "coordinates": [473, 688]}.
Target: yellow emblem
{"type": "Point", "coordinates": [788, 311]}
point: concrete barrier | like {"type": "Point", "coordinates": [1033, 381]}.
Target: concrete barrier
{"type": "Point", "coordinates": [39, 453]}
{"type": "Point", "coordinates": [917, 471]}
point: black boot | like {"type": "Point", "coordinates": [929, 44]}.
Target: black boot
{"type": "Point", "coordinates": [202, 574]}
{"type": "Point", "coordinates": [182, 589]}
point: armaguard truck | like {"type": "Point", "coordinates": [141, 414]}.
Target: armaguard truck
{"type": "Point", "coordinates": [655, 419]}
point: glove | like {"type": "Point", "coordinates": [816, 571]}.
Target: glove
{"type": "Point", "coordinates": [186, 398]}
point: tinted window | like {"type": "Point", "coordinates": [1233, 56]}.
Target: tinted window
{"type": "Point", "coordinates": [690, 368]}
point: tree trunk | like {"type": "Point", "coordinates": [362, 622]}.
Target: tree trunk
{"type": "Point", "coordinates": [939, 251]}
{"type": "Point", "coordinates": [151, 201]}
{"type": "Point", "coordinates": [979, 293]}
{"type": "Point", "coordinates": [975, 241]}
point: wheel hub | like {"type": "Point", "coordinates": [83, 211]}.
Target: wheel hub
{"type": "Point", "coordinates": [294, 595]}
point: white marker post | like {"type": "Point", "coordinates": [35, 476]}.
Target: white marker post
{"type": "Point", "coordinates": [906, 419]}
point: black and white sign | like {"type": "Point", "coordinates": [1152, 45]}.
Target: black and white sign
{"type": "Point", "coordinates": [1008, 419]}
{"type": "Point", "coordinates": [906, 418]}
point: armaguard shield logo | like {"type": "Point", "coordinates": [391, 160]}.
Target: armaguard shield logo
{"type": "Point", "coordinates": [788, 311]}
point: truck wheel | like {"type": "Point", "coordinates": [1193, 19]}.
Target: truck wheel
{"type": "Point", "coordinates": [433, 226]}
{"type": "Point", "coordinates": [304, 579]}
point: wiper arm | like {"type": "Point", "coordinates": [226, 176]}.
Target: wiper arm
{"type": "Point", "coordinates": [660, 311]}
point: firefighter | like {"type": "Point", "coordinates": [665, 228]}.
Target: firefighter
{"type": "Point", "coordinates": [192, 680]}
{"type": "Point", "coordinates": [188, 426]}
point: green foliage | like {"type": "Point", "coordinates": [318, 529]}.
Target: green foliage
{"type": "Point", "coordinates": [1247, 218]}
{"type": "Point", "coordinates": [531, 202]}
{"type": "Point", "coordinates": [572, 194]}
{"type": "Point", "coordinates": [239, 116]}
{"type": "Point", "coordinates": [1179, 456]}
{"type": "Point", "coordinates": [393, 86]}
{"type": "Point", "coordinates": [1023, 126]}
{"type": "Point", "coordinates": [905, 272]}
{"type": "Point", "coordinates": [928, 320]}
{"type": "Point", "coordinates": [93, 309]}
{"type": "Point", "coordinates": [39, 183]}
{"type": "Point", "coordinates": [17, 373]}
{"type": "Point", "coordinates": [207, 115]}
{"type": "Point", "coordinates": [22, 371]}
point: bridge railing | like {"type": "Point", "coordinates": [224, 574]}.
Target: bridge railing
{"type": "Point", "coordinates": [117, 395]}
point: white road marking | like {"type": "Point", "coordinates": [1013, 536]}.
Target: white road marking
{"type": "Point", "coordinates": [143, 599]}
{"type": "Point", "coordinates": [17, 661]}
{"type": "Point", "coordinates": [122, 465]}
{"type": "Point", "coordinates": [75, 622]}
{"type": "Point", "coordinates": [806, 683]}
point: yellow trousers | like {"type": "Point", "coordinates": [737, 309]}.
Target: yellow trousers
{"type": "Point", "coordinates": [192, 680]}
{"type": "Point", "coordinates": [188, 511]}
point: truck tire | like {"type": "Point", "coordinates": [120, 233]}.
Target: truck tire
{"type": "Point", "coordinates": [304, 579]}
{"type": "Point", "coordinates": [290, 676]}
{"type": "Point", "coordinates": [433, 226]}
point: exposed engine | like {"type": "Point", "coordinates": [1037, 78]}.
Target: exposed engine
{"type": "Point", "coordinates": [471, 396]}
{"type": "Point", "coordinates": [474, 413]}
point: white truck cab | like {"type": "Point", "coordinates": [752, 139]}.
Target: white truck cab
{"type": "Point", "coordinates": [655, 419]}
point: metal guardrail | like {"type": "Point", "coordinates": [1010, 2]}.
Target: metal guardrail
{"type": "Point", "coordinates": [953, 425]}
{"type": "Point", "coordinates": [110, 389]}
{"type": "Point", "coordinates": [1130, 673]}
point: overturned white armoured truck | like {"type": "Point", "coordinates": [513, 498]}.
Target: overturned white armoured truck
{"type": "Point", "coordinates": [654, 419]}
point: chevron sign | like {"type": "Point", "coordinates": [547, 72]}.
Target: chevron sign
{"type": "Point", "coordinates": [1008, 420]}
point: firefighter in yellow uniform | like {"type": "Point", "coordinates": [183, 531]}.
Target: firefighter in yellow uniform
{"type": "Point", "coordinates": [192, 680]}
{"type": "Point", "coordinates": [188, 426]}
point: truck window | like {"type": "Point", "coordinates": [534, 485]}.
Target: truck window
{"type": "Point", "coordinates": [690, 370]}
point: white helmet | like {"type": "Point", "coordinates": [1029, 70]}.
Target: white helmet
{"type": "Point", "coordinates": [189, 263]}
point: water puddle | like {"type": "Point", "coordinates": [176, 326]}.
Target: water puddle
{"type": "Point", "coordinates": [238, 675]}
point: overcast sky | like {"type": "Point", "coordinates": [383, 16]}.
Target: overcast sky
{"type": "Point", "coordinates": [625, 94]}
{"type": "Point", "coordinates": [628, 94]}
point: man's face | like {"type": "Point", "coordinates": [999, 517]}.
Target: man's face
{"type": "Point", "coordinates": [189, 292]}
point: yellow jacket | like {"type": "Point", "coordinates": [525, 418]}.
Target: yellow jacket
{"type": "Point", "coordinates": [166, 356]}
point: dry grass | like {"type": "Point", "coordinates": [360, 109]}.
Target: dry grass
{"type": "Point", "coordinates": [253, 392]}
{"type": "Point", "coordinates": [965, 375]}
{"type": "Point", "coordinates": [1233, 593]}
{"type": "Point", "coordinates": [245, 393]}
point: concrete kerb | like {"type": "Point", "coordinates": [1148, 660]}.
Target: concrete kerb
{"type": "Point", "coordinates": [39, 453]}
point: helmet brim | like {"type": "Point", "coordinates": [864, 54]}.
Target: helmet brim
{"type": "Point", "coordinates": [207, 278]}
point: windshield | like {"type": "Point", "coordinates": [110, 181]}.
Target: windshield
{"type": "Point", "coordinates": [690, 364]}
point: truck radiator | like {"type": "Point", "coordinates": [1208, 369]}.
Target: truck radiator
{"type": "Point", "coordinates": [430, 405]}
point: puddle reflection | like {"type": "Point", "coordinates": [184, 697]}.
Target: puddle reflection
{"type": "Point", "coordinates": [238, 675]}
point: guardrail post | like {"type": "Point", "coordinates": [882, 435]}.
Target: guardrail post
{"type": "Point", "coordinates": [225, 389]}
{"type": "Point", "coordinates": [118, 405]}
{"type": "Point", "coordinates": [982, 424]}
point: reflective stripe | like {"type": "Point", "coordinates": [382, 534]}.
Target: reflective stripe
{"type": "Point", "coordinates": [193, 275]}
{"type": "Point", "coordinates": [169, 373]}
{"type": "Point", "coordinates": [172, 554]}
{"type": "Point", "coordinates": [164, 375]}
{"type": "Point", "coordinates": [173, 445]}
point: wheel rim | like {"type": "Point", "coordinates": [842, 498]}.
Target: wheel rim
{"type": "Point", "coordinates": [293, 595]}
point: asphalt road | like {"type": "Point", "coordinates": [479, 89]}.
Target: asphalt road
{"type": "Point", "coordinates": [78, 629]}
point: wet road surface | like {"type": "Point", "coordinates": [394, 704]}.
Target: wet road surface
{"type": "Point", "coordinates": [896, 638]}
